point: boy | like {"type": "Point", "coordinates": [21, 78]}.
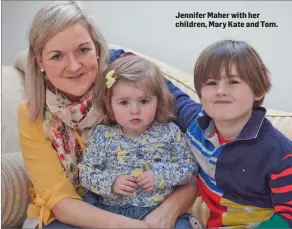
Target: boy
{"type": "Point", "coordinates": [245, 174]}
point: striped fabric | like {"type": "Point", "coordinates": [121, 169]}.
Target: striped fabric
{"type": "Point", "coordinates": [14, 188]}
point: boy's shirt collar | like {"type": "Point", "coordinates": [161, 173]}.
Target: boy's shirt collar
{"type": "Point", "coordinates": [249, 131]}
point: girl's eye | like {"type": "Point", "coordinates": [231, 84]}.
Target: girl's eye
{"type": "Point", "coordinates": [144, 101]}
{"type": "Point", "coordinates": [210, 83]}
{"type": "Point", "coordinates": [124, 103]}
{"type": "Point", "coordinates": [84, 50]}
{"type": "Point", "coordinates": [233, 82]}
{"type": "Point", "coordinates": [56, 57]}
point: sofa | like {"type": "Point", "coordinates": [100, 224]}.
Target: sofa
{"type": "Point", "coordinates": [15, 183]}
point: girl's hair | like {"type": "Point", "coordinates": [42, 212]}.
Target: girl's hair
{"type": "Point", "coordinates": [223, 55]}
{"type": "Point", "coordinates": [47, 22]}
{"type": "Point", "coordinates": [145, 75]}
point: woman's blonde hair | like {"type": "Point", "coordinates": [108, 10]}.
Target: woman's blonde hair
{"type": "Point", "coordinates": [145, 75]}
{"type": "Point", "coordinates": [47, 22]}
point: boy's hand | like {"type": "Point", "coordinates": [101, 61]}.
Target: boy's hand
{"type": "Point", "coordinates": [146, 180]}
{"type": "Point", "coordinates": [125, 185]}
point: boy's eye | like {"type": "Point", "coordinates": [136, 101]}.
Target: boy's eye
{"type": "Point", "coordinates": [210, 83]}
{"type": "Point", "coordinates": [144, 101]}
{"type": "Point", "coordinates": [56, 57]}
{"type": "Point", "coordinates": [124, 103]}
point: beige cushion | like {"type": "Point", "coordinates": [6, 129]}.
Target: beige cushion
{"type": "Point", "coordinates": [12, 94]}
{"type": "Point", "coordinates": [282, 121]}
{"type": "Point", "coordinates": [21, 61]}
{"type": "Point", "coordinates": [14, 188]}
{"type": "Point", "coordinates": [201, 211]}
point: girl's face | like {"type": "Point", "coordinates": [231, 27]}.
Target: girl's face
{"type": "Point", "coordinates": [132, 108]}
{"type": "Point", "coordinates": [69, 59]}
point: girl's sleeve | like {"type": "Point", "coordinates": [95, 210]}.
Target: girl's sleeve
{"type": "Point", "coordinates": [181, 168]}
{"type": "Point", "coordinates": [93, 175]}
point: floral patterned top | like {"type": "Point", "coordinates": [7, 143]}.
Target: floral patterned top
{"type": "Point", "coordinates": [162, 148]}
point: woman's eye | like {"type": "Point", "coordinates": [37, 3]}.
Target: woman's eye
{"type": "Point", "coordinates": [124, 103]}
{"type": "Point", "coordinates": [84, 50]}
{"type": "Point", "coordinates": [56, 57]}
{"type": "Point", "coordinates": [144, 101]}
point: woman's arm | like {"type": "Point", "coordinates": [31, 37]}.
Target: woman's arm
{"type": "Point", "coordinates": [174, 206]}
{"type": "Point", "coordinates": [55, 196]}
{"type": "Point", "coordinates": [81, 214]}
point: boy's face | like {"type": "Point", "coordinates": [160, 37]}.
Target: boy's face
{"type": "Point", "coordinates": [228, 99]}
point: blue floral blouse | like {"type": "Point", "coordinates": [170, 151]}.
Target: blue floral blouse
{"type": "Point", "coordinates": [163, 148]}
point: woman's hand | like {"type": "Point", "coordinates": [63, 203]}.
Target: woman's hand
{"type": "Point", "coordinates": [81, 214]}
{"type": "Point", "coordinates": [159, 219]}
{"type": "Point", "coordinates": [174, 206]}
{"type": "Point", "coordinates": [135, 223]}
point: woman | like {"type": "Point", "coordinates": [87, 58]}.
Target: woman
{"type": "Point", "coordinates": [66, 55]}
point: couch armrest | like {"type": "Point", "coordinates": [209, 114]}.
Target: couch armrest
{"type": "Point", "coordinates": [281, 120]}
{"type": "Point", "coordinates": [14, 186]}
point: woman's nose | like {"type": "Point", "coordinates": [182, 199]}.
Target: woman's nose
{"type": "Point", "coordinates": [73, 64]}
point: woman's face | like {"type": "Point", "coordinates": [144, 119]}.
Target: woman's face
{"type": "Point", "coordinates": [69, 59]}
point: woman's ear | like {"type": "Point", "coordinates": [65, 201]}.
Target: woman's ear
{"type": "Point", "coordinates": [40, 62]}
{"type": "Point", "coordinates": [97, 53]}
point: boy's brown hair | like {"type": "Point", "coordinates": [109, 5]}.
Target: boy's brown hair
{"type": "Point", "coordinates": [146, 76]}
{"type": "Point", "coordinates": [222, 55]}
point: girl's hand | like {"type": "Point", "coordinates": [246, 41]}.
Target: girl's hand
{"type": "Point", "coordinates": [125, 185]}
{"type": "Point", "coordinates": [146, 180]}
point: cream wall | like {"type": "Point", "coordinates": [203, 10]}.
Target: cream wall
{"type": "Point", "coordinates": [149, 27]}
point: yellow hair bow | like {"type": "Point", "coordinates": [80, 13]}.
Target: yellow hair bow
{"type": "Point", "coordinates": [110, 80]}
